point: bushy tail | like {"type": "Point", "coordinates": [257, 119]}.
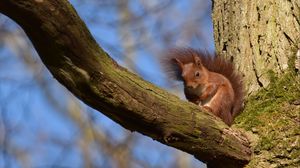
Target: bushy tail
{"type": "Point", "coordinates": [213, 63]}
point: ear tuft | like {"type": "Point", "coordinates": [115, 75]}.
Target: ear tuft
{"type": "Point", "coordinates": [179, 63]}
{"type": "Point", "coordinates": [197, 61]}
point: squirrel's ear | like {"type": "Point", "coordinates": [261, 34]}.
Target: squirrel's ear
{"type": "Point", "coordinates": [197, 61]}
{"type": "Point", "coordinates": [179, 63]}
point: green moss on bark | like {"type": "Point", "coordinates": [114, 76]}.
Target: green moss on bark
{"type": "Point", "coordinates": [273, 115]}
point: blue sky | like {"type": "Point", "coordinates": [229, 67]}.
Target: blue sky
{"type": "Point", "coordinates": [29, 114]}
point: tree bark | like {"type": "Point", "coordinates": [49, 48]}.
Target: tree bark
{"type": "Point", "coordinates": [262, 38]}
{"type": "Point", "coordinates": [68, 50]}
{"type": "Point", "coordinates": [258, 35]}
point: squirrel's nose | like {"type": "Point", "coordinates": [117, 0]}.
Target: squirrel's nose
{"type": "Point", "coordinates": [189, 86]}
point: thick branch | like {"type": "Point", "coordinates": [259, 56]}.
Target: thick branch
{"type": "Point", "coordinates": [73, 57]}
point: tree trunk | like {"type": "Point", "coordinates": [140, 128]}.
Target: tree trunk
{"type": "Point", "coordinates": [262, 38]}
{"type": "Point", "coordinates": [259, 35]}
{"type": "Point", "coordinates": [73, 57]}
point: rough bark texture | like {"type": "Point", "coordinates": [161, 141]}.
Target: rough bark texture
{"type": "Point", "coordinates": [258, 35]}
{"type": "Point", "coordinates": [76, 61]}
{"type": "Point", "coordinates": [262, 37]}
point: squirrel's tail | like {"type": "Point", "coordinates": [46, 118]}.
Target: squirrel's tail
{"type": "Point", "coordinates": [225, 67]}
{"type": "Point", "coordinates": [213, 63]}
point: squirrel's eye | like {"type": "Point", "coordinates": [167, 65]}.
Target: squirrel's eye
{"type": "Point", "coordinates": [197, 73]}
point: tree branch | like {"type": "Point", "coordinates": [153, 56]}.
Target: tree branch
{"type": "Point", "coordinates": [73, 57]}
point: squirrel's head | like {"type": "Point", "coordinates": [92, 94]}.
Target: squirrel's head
{"type": "Point", "coordinates": [192, 73]}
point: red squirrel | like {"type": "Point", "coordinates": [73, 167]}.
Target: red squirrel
{"type": "Point", "coordinates": [209, 81]}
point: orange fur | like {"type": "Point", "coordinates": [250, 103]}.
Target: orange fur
{"type": "Point", "coordinates": [210, 82]}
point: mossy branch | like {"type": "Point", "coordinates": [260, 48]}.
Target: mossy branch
{"type": "Point", "coordinates": [68, 50]}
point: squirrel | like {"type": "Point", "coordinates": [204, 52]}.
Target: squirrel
{"type": "Point", "coordinates": [210, 81]}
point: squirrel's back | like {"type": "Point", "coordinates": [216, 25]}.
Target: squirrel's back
{"type": "Point", "coordinates": [213, 63]}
